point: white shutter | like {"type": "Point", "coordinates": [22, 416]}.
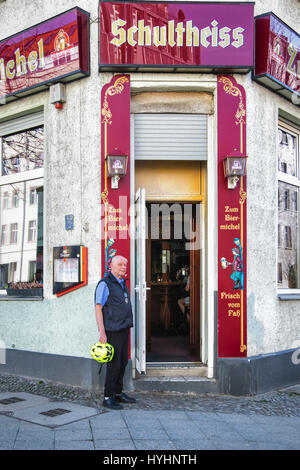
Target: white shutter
{"type": "Point", "coordinates": [22, 123]}
{"type": "Point", "coordinates": [170, 136]}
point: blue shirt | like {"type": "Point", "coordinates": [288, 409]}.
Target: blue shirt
{"type": "Point", "coordinates": [102, 291]}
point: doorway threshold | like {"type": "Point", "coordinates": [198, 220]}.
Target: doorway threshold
{"type": "Point", "coordinates": [182, 378]}
{"type": "Point", "coordinates": [175, 369]}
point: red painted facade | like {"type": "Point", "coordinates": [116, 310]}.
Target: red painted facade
{"type": "Point", "coordinates": [232, 223]}
{"type": "Point", "coordinates": [115, 140]}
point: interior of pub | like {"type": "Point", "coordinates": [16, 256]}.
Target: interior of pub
{"type": "Point", "coordinates": [171, 276]}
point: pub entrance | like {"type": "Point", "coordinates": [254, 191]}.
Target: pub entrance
{"type": "Point", "coordinates": [173, 280]}
{"type": "Point", "coordinates": [172, 257]}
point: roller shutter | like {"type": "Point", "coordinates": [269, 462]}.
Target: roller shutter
{"type": "Point", "coordinates": [170, 136]}
{"type": "Point", "coordinates": [22, 123]}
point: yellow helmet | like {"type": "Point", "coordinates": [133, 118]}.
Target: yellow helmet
{"type": "Point", "coordinates": [102, 352]}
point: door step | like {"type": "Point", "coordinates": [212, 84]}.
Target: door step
{"type": "Point", "coordinates": [176, 378]}
{"type": "Point", "coordinates": [175, 370]}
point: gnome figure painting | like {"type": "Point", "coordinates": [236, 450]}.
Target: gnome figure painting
{"type": "Point", "coordinates": [237, 274]}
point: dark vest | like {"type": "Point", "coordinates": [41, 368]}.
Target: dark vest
{"type": "Point", "coordinates": [117, 313]}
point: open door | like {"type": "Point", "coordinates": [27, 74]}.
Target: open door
{"type": "Point", "coordinates": [140, 281]}
{"type": "Point", "coordinates": [195, 282]}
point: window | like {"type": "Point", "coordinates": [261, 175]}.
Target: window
{"type": "Point", "coordinates": [12, 267]}
{"type": "Point", "coordinates": [279, 274]}
{"type": "Point", "coordinates": [23, 151]}
{"type": "Point", "coordinates": [32, 271]}
{"type": "Point", "coordinates": [32, 231]}
{"type": "Point", "coordinates": [32, 196]}
{"type": "Point", "coordinates": [15, 199]}
{"type": "Point", "coordinates": [5, 200]}
{"type": "Point", "coordinates": [21, 191]}
{"type": "Point", "coordinates": [13, 233]}
{"type": "Point", "coordinates": [7, 274]}
{"type": "Point", "coordinates": [279, 235]}
{"type": "Point", "coordinates": [288, 203]}
{"type": "Point", "coordinates": [288, 237]}
{"type": "Point", "coordinates": [3, 234]}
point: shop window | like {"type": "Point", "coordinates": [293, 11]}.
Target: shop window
{"type": "Point", "coordinates": [288, 203]}
{"type": "Point", "coordinates": [21, 190]}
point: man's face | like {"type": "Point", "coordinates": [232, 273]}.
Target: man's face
{"type": "Point", "coordinates": [119, 267]}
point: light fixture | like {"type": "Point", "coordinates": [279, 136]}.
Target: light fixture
{"type": "Point", "coordinates": [58, 95]}
{"type": "Point", "coordinates": [116, 168]}
{"type": "Point", "coordinates": [234, 166]}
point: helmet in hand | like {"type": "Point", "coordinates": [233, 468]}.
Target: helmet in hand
{"type": "Point", "coordinates": [102, 352]}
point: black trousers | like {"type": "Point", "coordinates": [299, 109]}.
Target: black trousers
{"type": "Point", "coordinates": [115, 369]}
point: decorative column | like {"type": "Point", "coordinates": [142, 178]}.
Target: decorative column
{"type": "Point", "coordinates": [232, 224]}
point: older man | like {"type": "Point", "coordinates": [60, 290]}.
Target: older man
{"type": "Point", "coordinates": [114, 319]}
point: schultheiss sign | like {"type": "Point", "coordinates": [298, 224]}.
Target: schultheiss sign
{"type": "Point", "coordinates": [55, 50]}
{"type": "Point", "coordinates": [176, 35]}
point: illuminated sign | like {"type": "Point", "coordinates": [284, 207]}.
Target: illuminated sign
{"type": "Point", "coordinates": [277, 56]}
{"type": "Point", "coordinates": [55, 50]}
{"type": "Point", "coordinates": [208, 36]}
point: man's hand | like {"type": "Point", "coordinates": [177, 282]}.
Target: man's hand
{"type": "Point", "coordinates": [102, 337]}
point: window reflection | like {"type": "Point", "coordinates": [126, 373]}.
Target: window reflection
{"type": "Point", "coordinates": [23, 151]}
{"type": "Point", "coordinates": [21, 250]}
{"type": "Point", "coordinates": [21, 216]}
{"type": "Point", "coordinates": [287, 153]}
{"type": "Point", "coordinates": [288, 235]}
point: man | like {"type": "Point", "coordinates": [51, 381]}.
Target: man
{"type": "Point", "coordinates": [114, 319]}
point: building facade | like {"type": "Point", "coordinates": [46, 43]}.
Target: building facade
{"type": "Point", "coordinates": [201, 102]}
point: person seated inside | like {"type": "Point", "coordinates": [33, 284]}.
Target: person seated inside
{"type": "Point", "coordinates": [185, 301]}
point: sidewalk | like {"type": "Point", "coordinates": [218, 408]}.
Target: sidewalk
{"type": "Point", "coordinates": [158, 421]}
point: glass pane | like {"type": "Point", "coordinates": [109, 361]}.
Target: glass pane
{"type": "Point", "coordinates": [288, 236]}
{"type": "Point", "coordinates": [287, 153]}
{"type": "Point", "coordinates": [23, 151]}
{"type": "Point", "coordinates": [21, 250]}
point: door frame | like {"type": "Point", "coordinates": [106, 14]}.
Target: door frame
{"type": "Point", "coordinates": [199, 257]}
{"type": "Point", "coordinates": [208, 288]}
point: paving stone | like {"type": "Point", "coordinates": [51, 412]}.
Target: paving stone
{"type": "Point", "coordinates": [116, 444]}
{"type": "Point", "coordinates": [26, 400]}
{"type": "Point", "coordinates": [75, 413]}
{"type": "Point", "coordinates": [194, 444]}
{"type": "Point", "coordinates": [73, 435]}
{"type": "Point", "coordinates": [110, 432]}
{"type": "Point", "coordinates": [154, 444]}
{"type": "Point", "coordinates": [38, 444]}
{"type": "Point", "coordinates": [7, 444]}
{"type": "Point", "coordinates": [74, 445]}
{"type": "Point", "coordinates": [147, 432]}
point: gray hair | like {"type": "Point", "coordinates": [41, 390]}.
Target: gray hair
{"type": "Point", "coordinates": [118, 258]}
